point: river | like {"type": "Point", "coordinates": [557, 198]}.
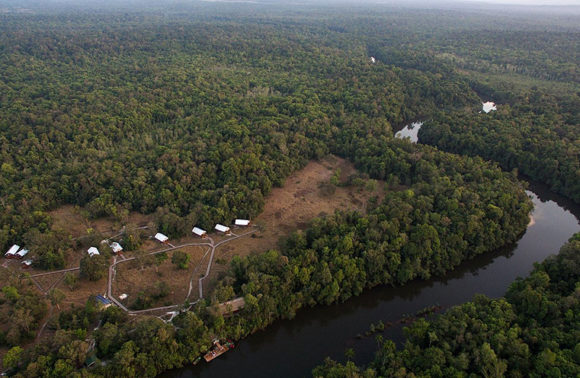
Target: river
{"type": "Point", "coordinates": [292, 348]}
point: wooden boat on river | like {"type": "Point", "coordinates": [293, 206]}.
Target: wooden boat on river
{"type": "Point", "coordinates": [218, 349]}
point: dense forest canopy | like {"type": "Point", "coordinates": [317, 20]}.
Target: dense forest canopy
{"type": "Point", "coordinates": [451, 209]}
{"type": "Point", "coordinates": [531, 332]}
{"type": "Point", "coordinates": [107, 111]}
{"type": "Point", "coordinates": [196, 116]}
{"type": "Point", "coordinates": [538, 137]}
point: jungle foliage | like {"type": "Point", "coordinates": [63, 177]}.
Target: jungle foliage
{"type": "Point", "coordinates": [446, 209]}
{"type": "Point", "coordinates": [196, 118]}
{"type": "Point", "coordinates": [531, 332]}
{"type": "Point", "coordinates": [538, 134]}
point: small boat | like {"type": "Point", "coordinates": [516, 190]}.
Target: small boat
{"type": "Point", "coordinates": [218, 349]}
{"type": "Point", "coordinates": [196, 361]}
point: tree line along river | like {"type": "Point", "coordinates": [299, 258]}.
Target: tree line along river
{"type": "Point", "coordinates": [292, 348]}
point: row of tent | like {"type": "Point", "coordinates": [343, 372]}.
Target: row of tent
{"type": "Point", "coordinates": [220, 228]}
{"type": "Point", "coordinates": [16, 252]}
{"type": "Point", "coordinates": [202, 233]}
{"type": "Point", "coordinates": [116, 247]}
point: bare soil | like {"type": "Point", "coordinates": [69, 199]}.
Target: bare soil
{"type": "Point", "coordinates": [130, 279]}
{"type": "Point", "coordinates": [82, 292]}
{"type": "Point", "coordinates": [293, 206]}
{"type": "Point", "coordinates": [74, 221]}
{"type": "Point", "coordinates": [301, 199]}
{"type": "Point", "coordinates": [305, 195]}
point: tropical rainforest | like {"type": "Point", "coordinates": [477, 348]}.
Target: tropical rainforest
{"type": "Point", "coordinates": [537, 134]}
{"type": "Point", "coordinates": [194, 115]}
{"type": "Point", "coordinates": [533, 331]}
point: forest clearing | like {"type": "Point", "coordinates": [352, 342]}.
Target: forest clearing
{"type": "Point", "coordinates": [162, 163]}
{"type": "Point", "coordinates": [150, 282]}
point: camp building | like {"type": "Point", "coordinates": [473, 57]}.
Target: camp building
{"type": "Point", "coordinates": [12, 251]}
{"type": "Point", "coordinates": [222, 228]}
{"type": "Point", "coordinates": [93, 251]}
{"type": "Point", "coordinates": [103, 302]}
{"type": "Point", "coordinates": [199, 232]}
{"type": "Point", "coordinates": [116, 247]}
{"type": "Point", "coordinates": [162, 238]}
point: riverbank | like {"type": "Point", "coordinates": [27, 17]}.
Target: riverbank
{"type": "Point", "coordinates": [284, 343]}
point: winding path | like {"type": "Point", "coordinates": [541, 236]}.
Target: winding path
{"type": "Point", "coordinates": [212, 246]}
{"type": "Point", "coordinates": [55, 272]}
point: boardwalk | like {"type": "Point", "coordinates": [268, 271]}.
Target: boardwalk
{"type": "Point", "coordinates": [212, 246]}
{"type": "Point", "coordinates": [208, 255]}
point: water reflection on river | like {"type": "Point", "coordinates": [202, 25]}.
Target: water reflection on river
{"type": "Point", "coordinates": [292, 348]}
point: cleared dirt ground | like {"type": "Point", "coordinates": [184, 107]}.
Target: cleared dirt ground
{"type": "Point", "coordinates": [301, 199]}
{"type": "Point", "coordinates": [305, 195]}
{"type": "Point", "coordinates": [73, 219]}
{"type": "Point", "coordinates": [130, 279]}
{"type": "Point", "coordinates": [84, 290]}
{"type": "Point", "coordinates": [294, 205]}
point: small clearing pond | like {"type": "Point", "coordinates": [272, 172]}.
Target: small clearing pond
{"type": "Point", "coordinates": [410, 132]}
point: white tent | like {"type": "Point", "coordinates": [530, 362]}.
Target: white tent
{"type": "Point", "coordinates": [23, 252]}
{"type": "Point", "coordinates": [93, 251]}
{"type": "Point", "coordinates": [242, 222]}
{"type": "Point", "coordinates": [116, 247]}
{"type": "Point", "coordinates": [199, 232]}
{"type": "Point", "coordinates": [489, 106]}
{"type": "Point", "coordinates": [222, 228]}
{"type": "Point", "coordinates": [12, 251]}
{"type": "Point", "coordinates": [162, 238]}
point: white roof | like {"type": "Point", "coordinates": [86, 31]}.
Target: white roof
{"type": "Point", "coordinates": [222, 228]}
{"type": "Point", "coordinates": [162, 238]}
{"type": "Point", "coordinates": [12, 251]}
{"type": "Point", "coordinates": [241, 222]}
{"type": "Point", "coordinates": [373, 60]}
{"type": "Point", "coordinates": [116, 247]}
{"type": "Point", "coordinates": [93, 251]}
{"type": "Point", "coordinates": [123, 296]}
{"type": "Point", "coordinates": [22, 253]}
{"type": "Point", "coordinates": [27, 262]}
{"type": "Point", "coordinates": [198, 231]}
{"type": "Point", "coordinates": [489, 106]}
